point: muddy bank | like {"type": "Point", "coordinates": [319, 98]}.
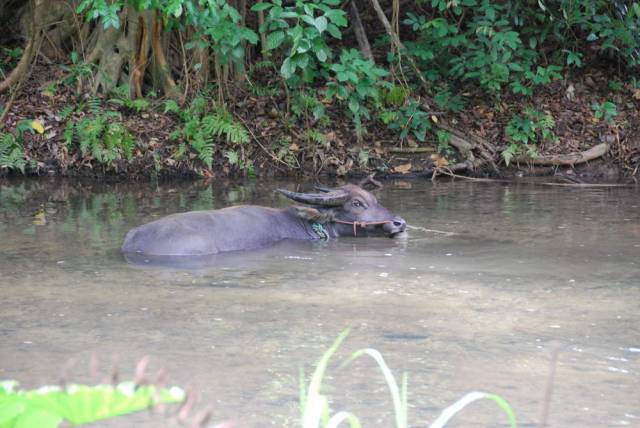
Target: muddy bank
{"type": "Point", "coordinates": [584, 148]}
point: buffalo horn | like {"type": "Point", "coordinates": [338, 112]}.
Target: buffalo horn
{"type": "Point", "coordinates": [322, 189]}
{"type": "Point", "coordinates": [332, 199]}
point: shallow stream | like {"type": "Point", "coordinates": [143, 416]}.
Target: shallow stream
{"type": "Point", "coordinates": [524, 272]}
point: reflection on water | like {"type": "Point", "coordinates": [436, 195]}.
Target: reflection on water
{"type": "Point", "coordinates": [528, 270]}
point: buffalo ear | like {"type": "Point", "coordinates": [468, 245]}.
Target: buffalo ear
{"type": "Point", "coordinates": [313, 214]}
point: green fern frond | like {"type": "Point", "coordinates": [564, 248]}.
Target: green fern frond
{"type": "Point", "coordinates": [11, 153]}
{"type": "Point", "coordinates": [66, 112]}
{"type": "Point", "coordinates": [95, 105]}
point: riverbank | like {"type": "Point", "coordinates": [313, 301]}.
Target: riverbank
{"type": "Point", "coordinates": [588, 129]}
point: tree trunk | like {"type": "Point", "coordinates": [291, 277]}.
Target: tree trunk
{"type": "Point", "coordinates": [35, 38]}
{"type": "Point", "coordinates": [161, 65]}
{"type": "Point", "coordinates": [358, 30]}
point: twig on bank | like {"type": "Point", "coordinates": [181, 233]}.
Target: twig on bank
{"type": "Point", "coordinates": [255, 138]}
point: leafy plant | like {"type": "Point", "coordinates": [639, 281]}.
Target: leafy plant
{"type": "Point", "coordinates": [77, 70]}
{"type": "Point", "coordinates": [357, 83]}
{"type": "Point", "coordinates": [11, 59]}
{"type": "Point", "coordinates": [11, 153]}
{"type": "Point", "coordinates": [283, 148]}
{"type": "Point", "coordinates": [526, 131]}
{"type": "Point", "coordinates": [615, 85]}
{"type": "Point", "coordinates": [50, 406]}
{"type": "Point", "coordinates": [395, 95]}
{"type": "Point", "coordinates": [103, 137]}
{"type": "Point", "coordinates": [122, 98]}
{"type": "Point", "coordinates": [445, 99]}
{"type": "Point", "coordinates": [306, 105]}
{"type": "Point", "coordinates": [12, 146]}
{"type": "Point", "coordinates": [443, 142]}
{"type": "Point", "coordinates": [606, 110]}
{"type": "Point", "coordinates": [202, 128]}
{"type": "Point", "coordinates": [218, 25]}
{"type": "Point", "coordinates": [409, 119]}
{"type": "Point", "coordinates": [300, 30]}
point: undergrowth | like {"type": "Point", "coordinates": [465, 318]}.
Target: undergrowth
{"type": "Point", "coordinates": [204, 127]}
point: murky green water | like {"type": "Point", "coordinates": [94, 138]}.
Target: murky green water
{"type": "Point", "coordinates": [528, 270]}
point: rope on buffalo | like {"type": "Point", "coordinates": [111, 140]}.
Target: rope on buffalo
{"type": "Point", "coordinates": [361, 223]}
{"type": "Point", "coordinates": [373, 223]}
{"type": "Point", "coordinates": [424, 229]}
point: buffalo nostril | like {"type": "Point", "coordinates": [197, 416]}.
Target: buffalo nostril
{"type": "Point", "coordinates": [399, 223]}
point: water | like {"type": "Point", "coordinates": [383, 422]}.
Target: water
{"type": "Point", "coordinates": [527, 271]}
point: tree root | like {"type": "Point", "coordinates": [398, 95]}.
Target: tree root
{"type": "Point", "coordinates": [18, 73]}
{"type": "Point", "coordinates": [568, 159]}
{"type": "Point", "coordinates": [162, 69]}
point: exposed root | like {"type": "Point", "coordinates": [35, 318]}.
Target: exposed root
{"type": "Point", "coordinates": [162, 69]}
{"type": "Point", "coordinates": [570, 159]}
{"type": "Point", "coordinates": [139, 61]}
{"type": "Point", "coordinates": [30, 50]}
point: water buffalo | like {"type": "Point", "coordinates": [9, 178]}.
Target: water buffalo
{"type": "Point", "coordinates": [344, 211]}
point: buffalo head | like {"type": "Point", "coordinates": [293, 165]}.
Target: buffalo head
{"type": "Point", "coordinates": [350, 209]}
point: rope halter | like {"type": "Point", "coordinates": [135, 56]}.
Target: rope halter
{"type": "Point", "coordinates": [361, 223]}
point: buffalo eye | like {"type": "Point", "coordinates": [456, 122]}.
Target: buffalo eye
{"type": "Point", "coordinates": [357, 203]}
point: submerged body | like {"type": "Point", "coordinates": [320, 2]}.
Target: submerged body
{"type": "Point", "coordinates": [237, 228]}
{"type": "Point", "coordinates": [347, 211]}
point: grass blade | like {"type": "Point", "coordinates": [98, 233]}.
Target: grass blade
{"type": "Point", "coordinates": [340, 417]}
{"type": "Point", "coordinates": [315, 405]}
{"type": "Point", "coordinates": [399, 403]}
{"type": "Point", "coordinates": [456, 407]}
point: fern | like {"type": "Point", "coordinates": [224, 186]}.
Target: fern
{"type": "Point", "coordinates": [95, 105]}
{"type": "Point", "coordinates": [103, 140]}
{"type": "Point", "coordinates": [171, 106]}
{"type": "Point", "coordinates": [265, 91]}
{"type": "Point", "coordinates": [69, 132]}
{"type": "Point", "coordinates": [222, 123]}
{"type": "Point", "coordinates": [198, 106]}
{"type": "Point", "coordinates": [66, 112]}
{"type": "Point", "coordinates": [201, 130]}
{"type": "Point", "coordinates": [11, 153]}
{"type": "Point", "coordinates": [262, 65]}
{"type": "Point", "coordinates": [317, 137]}
{"type": "Point", "coordinates": [205, 148]}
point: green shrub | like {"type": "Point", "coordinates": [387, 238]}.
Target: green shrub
{"type": "Point", "coordinates": [407, 120]}
{"type": "Point", "coordinates": [301, 30]}
{"type": "Point", "coordinates": [357, 83]}
{"type": "Point", "coordinates": [497, 44]}
{"type": "Point", "coordinates": [606, 110]}
{"type": "Point", "coordinates": [526, 131]}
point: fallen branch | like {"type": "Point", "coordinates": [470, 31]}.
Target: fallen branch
{"type": "Point", "coordinates": [568, 159]}
{"type": "Point", "coordinates": [264, 149]}
{"type": "Point", "coordinates": [411, 150]}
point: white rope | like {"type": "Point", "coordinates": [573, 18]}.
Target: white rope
{"type": "Point", "coordinates": [423, 229]}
